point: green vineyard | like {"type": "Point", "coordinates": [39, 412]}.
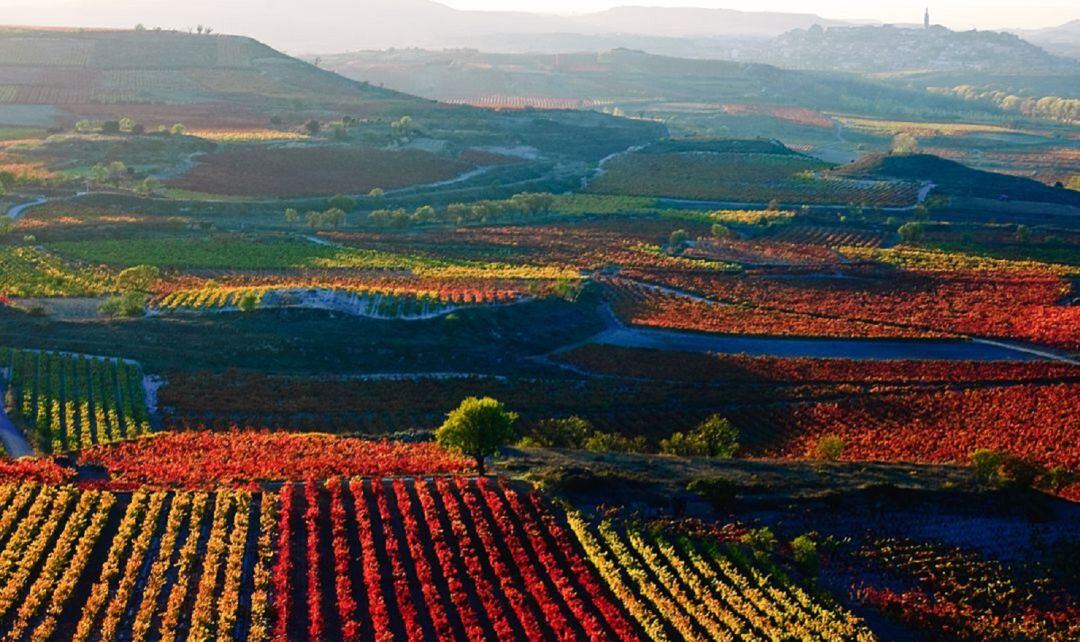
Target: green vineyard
{"type": "Point", "coordinates": [68, 402]}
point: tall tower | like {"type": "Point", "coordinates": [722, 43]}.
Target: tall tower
{"type": "Point", "coordinates": [926, 19]}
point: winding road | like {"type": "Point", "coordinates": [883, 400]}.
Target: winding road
{"type": "Point", "coordinates": [15, 213]}
{"type": "Point", "coordinates": [14, 441]}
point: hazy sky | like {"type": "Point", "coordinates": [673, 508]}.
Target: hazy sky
{"type": "Point", "coordinates": [957, 14]}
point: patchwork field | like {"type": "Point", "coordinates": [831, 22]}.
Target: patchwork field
{"type": "Point", "coordinates": [642, 348]}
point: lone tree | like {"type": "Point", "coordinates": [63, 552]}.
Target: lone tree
{"type": "Point", "coordinates": [911, 232]}
{"type": "Point", "coordinates": [138, 279]}
{"type": "Point", "coordinates": [904, 144]}
{"type": "Point", "coordinates": [477, 429]}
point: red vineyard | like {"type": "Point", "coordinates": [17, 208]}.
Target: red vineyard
{"type": "Point", "coordinates": [433, 560]}
{"type": "Point", "coordinates": [238, 458]}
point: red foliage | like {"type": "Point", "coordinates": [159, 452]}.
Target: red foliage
{"type": "Point", "coordinates": [887, 304]}
{"type": "Point", "coordinates": [45, 471]}
{"type": "Point", "coordinates": [633, 362]}
{"type": "Point", "coordinates": [205, 459]}
{"type": "Point", "coordinates": [1030, 420]}
{"type": "Point", "coordinates": [507, 569]}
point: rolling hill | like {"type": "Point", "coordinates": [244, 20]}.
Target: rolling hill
{"type": "Point", "coordinates": [893, 49]}
{"type": "Point", "coordinates": [955, 179]}
{"type": "Point", "coordinates": [55, 78]}
{"type": "Point", "coordinates": [623, 75]}
{"type": "Point", "coordinates": [1062, 40]}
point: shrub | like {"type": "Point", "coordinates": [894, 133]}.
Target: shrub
{"type": "Point", "coordinates": [718, 491]}
{"type": "Point", "coordinates": [614, 442]}
{"type": "Point", "coordinates": [341, 202]}
{"type": "Point", "coordinates": [138, 279]}
{"type": "Point", "coordinates": [911, 232]}
{"type": "Point", "coordinates": [805, 552]}
{"type": "Point", "coordinates": [1020, 471]}
{"type": "Point", "coordinates": [678, 239]}
{"type": "Point", "coordinates": [248, 302]}
{"type": "Point", "coordinates": [131, 304]}
{"type": "Point", "coordinates": [905, 144]}
{"type": "Point", "coordinates": [575, 479]}
{"type": "Point", "coordinates": [568, 432]}
{"type": "Point", "coordinates": [683, 445]}
{"type": "Point", "coordinates": [721, 231]}
{"type": "Point", "coordinates": [762, 540]}
{"type": "Point", "coordinates": [829, 447]}
{"type": "Point", "coordinates": [714, 437]}
{"type": "Point", "coordinates": [986, 466]}
{"type": "Point", "coordinates": [1058, 479]}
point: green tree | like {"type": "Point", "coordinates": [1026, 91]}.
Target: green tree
{"type": "Point", "coordinates": [292, 217]}
{"type": "Point", "coordinates": [178, 129]}
{"type": "Point", "coordinates": [1021, 471]}
{"type": "Point", "coordinates": [334, 217]}
{"type": "Point", "coordinates": [566, 432]}
{"type": "Point", "coordinates": [911, 232]}
{"type": "Point", "coordinates": [677, 239]}
{"type": "Point", "coordinates": [117, 172]}
{"type": "Point", "coordinates": [721, 231]}
{"type": "Point", "coordinates": [99, 174]}
{"type": "Point", "coordinates": [1023, 233]}
{"type": "Point", "coordinates": [714, 437]}
{"type": "Point", "coordinates": [805, 552]}
{"type": "Point", "coordinates": [312, 126]}
{"type": "Point", "coordinates": [477, 429]}
{"type": "Point", "coordinates": [905, 144]}
{"type": "Point", "coordinates": [986, 466]}
{"type": "Point", "coordinates": [147, 186]}
{"type": "Point", "coordinates": [129, 304]}
{"type": "Point", "coordinates": [342, 202]}
{"type": "Point", "coordinates": [602, 442]}
{"type": "Point", "coordinates": [138, 279]}
{"type": "Point", "coordinates": [762, 540]}
{"type": "Point", "coordinates": [424, 214]}
{"type": "Point", "coordinates": [127, 125]}
{"type": "Point", "coordinates": [402, 126]}
{"type": "Point", "coordinates": [719, 492]}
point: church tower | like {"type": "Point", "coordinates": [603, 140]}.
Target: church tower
{"type": "Point", "coordinates": [926, 19]}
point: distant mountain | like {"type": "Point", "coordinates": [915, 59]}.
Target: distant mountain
{"type": "Point", "coordinates": [1063, 40]}
{"type": "Point", "coordinates": [633, 80]}
{"type": "Point", "coordinates": [694, 22]}
{"type": "Point", "coordinates": [899, 49]}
